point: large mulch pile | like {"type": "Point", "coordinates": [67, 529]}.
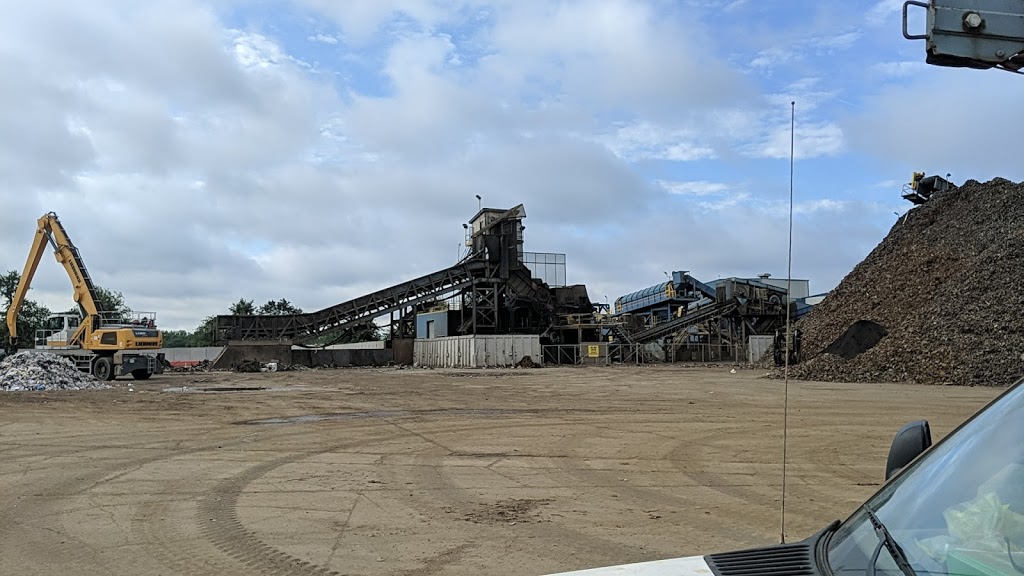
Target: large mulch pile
{"type": "Point", "coordinates": [939, 301]}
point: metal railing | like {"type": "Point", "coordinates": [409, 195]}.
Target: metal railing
{"type": "Point", "coordinates": [599, 354]}
{"type": "Point", "coordinates": [130, 319]}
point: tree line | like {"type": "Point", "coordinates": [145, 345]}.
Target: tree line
{"type": "Point", "coordinates": [206, 335]}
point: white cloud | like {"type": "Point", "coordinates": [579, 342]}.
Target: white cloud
{"type": "Point", "coordinates": [694, 188]}
{"type": "Point", "coordinates": [900, 69]}
{"type": "Point", "coordinates": [843, 41]}
{"type": "Point", "coordinates": [963, 128]}
{"type": "Point", "coordinates": [725, 203]}
{"type": "Point", "coordinates": [323, 38]}
{"type": "Point", "coordinates": [889, 184]}
{"type": "Point", "coordinates": [809, 141]}
{"type": "Point", "coordinates": [645, 141]}
{"type": "Point", "coordinates": [774, 56]}
{"type": "Point", "coordinates": [884, 12]}
{"type": "Point", "coordinates": [794, 49]}
{"type": "Point", "coordinates": [819, 205]}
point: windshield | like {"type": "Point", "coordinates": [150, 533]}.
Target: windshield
{"type": "Point", "coordinates": [958, 510]}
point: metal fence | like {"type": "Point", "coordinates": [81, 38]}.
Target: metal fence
{"type": "Point", "coordinates": [598, 354]}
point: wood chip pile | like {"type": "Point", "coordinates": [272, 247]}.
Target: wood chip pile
{"type": "Point", "coordinates": [946, 289]}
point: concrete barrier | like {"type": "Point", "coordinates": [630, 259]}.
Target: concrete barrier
{"type": "Point", "coordinates": [191, 356]}
{"type": "Point", "coordinates": [403, 349]}
{"type": "Point", "coordinates": [237, 352]}
{"type": "Point", "coordinates": [358, 354]}
{"type": "Point", "coordinates": [315, 358]}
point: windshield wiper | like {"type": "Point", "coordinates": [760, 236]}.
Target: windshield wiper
{"type": "Point", "coordinates": [885, 539]}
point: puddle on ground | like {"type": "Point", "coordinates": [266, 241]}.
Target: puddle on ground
{"type": "Point", "coordinates": [307, 418]}
{"type": "Point", "coordinates": [209, 389]}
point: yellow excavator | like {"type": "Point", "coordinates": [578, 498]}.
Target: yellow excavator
{"type": "Point", "coordinates": [103, 343]}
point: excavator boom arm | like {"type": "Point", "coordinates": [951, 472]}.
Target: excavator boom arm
{"type": "Point", "coordinates": [50, 231]}
{"type": "Point", "coordinates": [35, 254]}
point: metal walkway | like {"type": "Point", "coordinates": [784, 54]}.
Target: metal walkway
{"type": "Point", "coordinates": [682, 323]}
{"type": "Point", "coordinates": [307, 326]}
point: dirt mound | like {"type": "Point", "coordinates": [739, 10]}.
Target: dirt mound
{"type": "Point", "coordinates": [508, 512]}
{"type": "Point", "coordinates": [858, 339]}
{"type": "Point", "coordinates": [527, 362]}
{"type": "Point", "coordinates": [945, 284]}
{"type": "Point", "coordinates": [41, 371]}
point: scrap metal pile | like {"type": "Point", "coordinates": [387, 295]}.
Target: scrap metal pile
{"type": "Point", "coordinates": [944, 294]}
{"type": "Point", "coordinates": [40, 371]}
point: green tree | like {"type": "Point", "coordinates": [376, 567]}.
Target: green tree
{"type": "Point", "coordinates": [8, 286]}
{"type": "Point", "coordinates": [278, 308]}
{"type": "Point", "coordinates": [111, 301]}
{"type": "Point", "coordinates": [205, 334]}
{"type": "Point", "coordinates": [243, 308]}
{"type": "Point", "coordinates": [31, 317]}
{"type": "Point", "coordinates": [177, 338]}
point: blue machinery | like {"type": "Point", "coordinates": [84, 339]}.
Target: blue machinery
{"type": "Point", "coordinates": [696, 320]}
{"type": "Point", "coordinates": [663, 301]}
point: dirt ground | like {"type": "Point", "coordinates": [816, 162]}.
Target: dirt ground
{"type": "Point", "coordinates": [386, 471]}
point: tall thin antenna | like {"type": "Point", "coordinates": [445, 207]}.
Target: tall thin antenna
{"type": "Point", "coordinates": [789, 290]}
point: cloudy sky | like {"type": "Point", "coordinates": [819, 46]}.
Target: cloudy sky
{"type": "Point", "coordinates": [316, 150]}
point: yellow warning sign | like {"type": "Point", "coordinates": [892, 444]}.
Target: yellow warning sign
{"type": "Point", "coordinates": [594, 351]}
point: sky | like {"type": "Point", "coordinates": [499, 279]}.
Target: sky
{"type": "Point", "coordinates": [316, 150]}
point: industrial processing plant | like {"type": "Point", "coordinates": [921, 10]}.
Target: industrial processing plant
{"type": "Point", "coordinates": [500, 304]}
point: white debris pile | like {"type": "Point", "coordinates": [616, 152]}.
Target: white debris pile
{"type": "Point", "coordinates": [42, 371]}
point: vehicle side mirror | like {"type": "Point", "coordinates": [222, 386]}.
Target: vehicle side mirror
{"type": "Point", "coordinates": [913, 439]}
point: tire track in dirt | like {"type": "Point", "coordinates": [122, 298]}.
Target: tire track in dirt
{"type": "Point", "coordinates": [48, 504]}
{"type": "Point", "coordinates": [448, 492]}
{"type": "Point", "coordinates": [49, 500]}
{"type": "Point", "coordinates": [220, 524]}
{"type": "Point", "coordinates": [653, 497]}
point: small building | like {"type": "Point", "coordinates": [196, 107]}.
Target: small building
{"type": "Point", "coordinates": [439, 324]}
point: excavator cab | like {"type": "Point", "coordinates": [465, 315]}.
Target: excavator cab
{"type": "Point", "coordinates": [58, 330]}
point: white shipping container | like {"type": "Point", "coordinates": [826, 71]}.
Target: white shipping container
{"type": "Point", "coordinates": [491, 351]}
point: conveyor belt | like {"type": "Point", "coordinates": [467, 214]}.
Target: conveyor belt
{"type": "Point", "coordinates": [678, 324]}
{"type": "Point", "coordinates": [302, 327]}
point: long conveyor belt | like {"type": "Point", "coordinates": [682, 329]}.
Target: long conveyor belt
{"type": "Point", "coordinates": [300, 327]}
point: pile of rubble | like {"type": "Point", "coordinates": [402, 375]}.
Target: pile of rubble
{"type": "Point", "coordinates": [939, 301]}
{"type": "Point", "coordinates": [41, 371]}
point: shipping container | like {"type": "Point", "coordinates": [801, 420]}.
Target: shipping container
{"type": "Point", "coordinates": [500, 351]}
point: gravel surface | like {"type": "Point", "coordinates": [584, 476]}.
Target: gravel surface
{"type": "Point", "coordinates": [42, 371]}
{"type": "Point", "coordinates": [946, 286]}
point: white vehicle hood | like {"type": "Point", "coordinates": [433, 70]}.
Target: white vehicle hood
{"type": "Point", "coordinates": [688, 566]}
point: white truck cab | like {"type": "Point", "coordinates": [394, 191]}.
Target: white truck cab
{"type": "Point", "coordinates": [955, 508]}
